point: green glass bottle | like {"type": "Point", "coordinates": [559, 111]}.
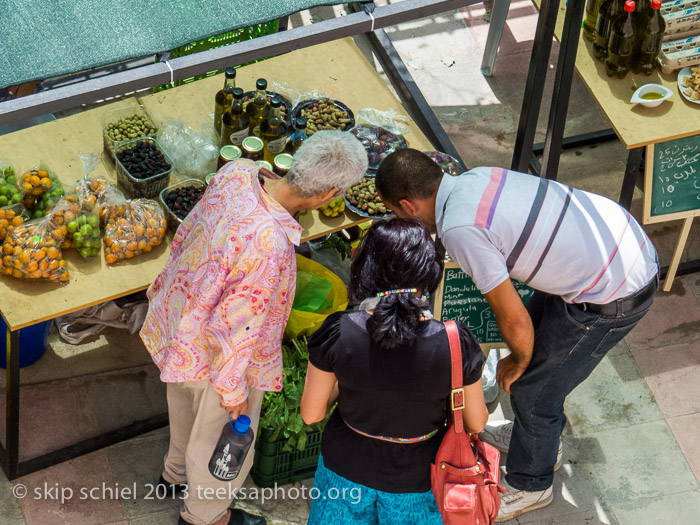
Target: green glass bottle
{"type": "Point", "coordinates": [234, 124]}
{"type": "Point", "coordinates": [223, 98]}
{"type": "Point", "coordinates": [608, 11]}
{"type": "Point", "coordinates": [273, 131]}
{"type": "Point", "coordinates": [621, 44]}
{"type": "Point", "coordinates": [257, 107]}
{"type": "Point", "coordinates": [589, 23]}
{"type": "Point", "coordinates": [651, 28]}
{"type": "Point", "coordinates": [298, 137]}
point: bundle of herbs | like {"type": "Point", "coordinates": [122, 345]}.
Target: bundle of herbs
{"type": "Point", "coordinates": [280, 410]}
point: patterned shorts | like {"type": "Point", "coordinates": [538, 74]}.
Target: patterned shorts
{"type": "Point", "coordinates": [341, 501]}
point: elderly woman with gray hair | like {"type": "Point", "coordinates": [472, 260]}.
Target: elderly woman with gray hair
{"type": "Point", "coordinates": [218, 309]}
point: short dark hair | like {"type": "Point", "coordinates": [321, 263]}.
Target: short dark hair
{"type": "Point", "coordinates": [397, 253]}
{"type": "Point", "coordinates": [407, 173]}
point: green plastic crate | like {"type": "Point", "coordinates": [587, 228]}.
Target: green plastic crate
{"type": "Point", "coordinates": [271, 465]}
{"type": "Point", "coordinates": [225, 39]}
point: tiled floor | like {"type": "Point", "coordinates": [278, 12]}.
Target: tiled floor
{"type": "Point", "coordinates": [631, 454]}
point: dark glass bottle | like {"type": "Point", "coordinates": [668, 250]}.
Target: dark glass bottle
{"type": "Point", "coordinates": [621, 44]}
{"type": "Point", "coordinates": [298, 137]}
{"type": "Point", "coordinates": [608, 11]}
{"type": "Point", "coordinates": [223, 98]}
{"type": "Point", "coordinates": [589, 23]}
{"type": "Point", "coordinates": [231, 449]}
{"type": "Point", "coordinates": [273, 131]}
{"type": "Point", "coordinates": [650, 31]}
{"type": "Point", "coordinates": [257, 107]}
{"type": "Point", "coordinates": [234, 124]}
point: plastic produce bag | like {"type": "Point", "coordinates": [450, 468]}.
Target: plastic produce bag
{"type": "Point", "coordinates": [192, 152]}
{"type": "Point", "coordinates": [33, 251]}
{"type": "Point", "coordinates": [41, 190]}
{"type": "Point", "coordinates": [319, 294]}
{"type": "Point", "coordinates": [9, 190]}
{"type": "Point", "coordinates": [488, 376]}
{"type": "Point", "coordinates": [132, 227]}
{"type": "Point", "coordinates": [79, 214]}
{"type": "Point", "coordinates": [10, 217]}
{"type": "Point", "coordinates": [390, 120]}
{"type": "Point", "coordinates": [379, 143]}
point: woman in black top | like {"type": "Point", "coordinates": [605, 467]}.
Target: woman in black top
{"type": "Point", "coordinates": [388, 366]}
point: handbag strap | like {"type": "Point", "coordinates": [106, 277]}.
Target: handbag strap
{"type": "Point", "coordinates": [457, 393]}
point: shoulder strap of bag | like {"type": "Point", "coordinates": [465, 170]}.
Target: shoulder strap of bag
{"type": "Point", "coordinates": [457, 394]}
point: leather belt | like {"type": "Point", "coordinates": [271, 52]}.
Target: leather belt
{"type": "Point", "coordinates": [629, 303]}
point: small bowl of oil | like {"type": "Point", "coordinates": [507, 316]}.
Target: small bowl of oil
{"type": "Point", "coordinates": [651, 95]}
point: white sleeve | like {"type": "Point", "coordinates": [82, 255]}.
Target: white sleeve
{"type": "Point", "coordinates": [474, 250]}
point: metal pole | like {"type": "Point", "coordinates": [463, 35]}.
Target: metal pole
{"type": "Point", "coordinates": [534, 86]}
{"type": "Point", "coordinates": [562, 88]}
{"type": "Point", "coordinates": [12, 405]}
{"type": "Point", "coordinates": [116, 84]}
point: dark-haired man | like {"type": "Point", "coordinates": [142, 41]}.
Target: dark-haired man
{"type": "Point", "coordinates": [594, 271]}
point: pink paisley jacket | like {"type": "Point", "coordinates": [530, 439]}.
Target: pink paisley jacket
{"type": "Point", "coordinates": [218, 309]}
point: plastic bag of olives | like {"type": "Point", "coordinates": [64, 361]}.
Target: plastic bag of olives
{"type": "Point", "coordinates": [378, 142]}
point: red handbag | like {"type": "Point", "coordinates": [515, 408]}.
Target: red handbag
{"type": "Point", "coordinates": [465, 475]}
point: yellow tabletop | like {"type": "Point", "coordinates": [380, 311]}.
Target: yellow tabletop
{"type": "Point", "coordinates": [337, 69]}
{"type": "Point", "coordinates": [634, 124]}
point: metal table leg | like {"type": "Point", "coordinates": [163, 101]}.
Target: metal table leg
{"type": "Point", "coordinates": [493, 40]}
{"type": "Point", "coordinates": [534, 86]}
{"type": "Point", "coordinates": [10, 453]}
{"type": "Point", "coordinates": [634, 159]}
{"type": "Point", "coordinates": [409, 93]}
{"type": "Point", "coordinates": [562, 88]}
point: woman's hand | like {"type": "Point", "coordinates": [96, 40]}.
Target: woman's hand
{"type": "Point", "coordinates": [235, 410]}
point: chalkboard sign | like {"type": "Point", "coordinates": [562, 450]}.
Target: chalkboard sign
{"type": "Point", "coordinates": [458, 299]}
{"type": "Point", "coordinates": [675, 178]}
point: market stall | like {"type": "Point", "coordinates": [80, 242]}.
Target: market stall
{"type": "Point", "coordinates": [58, 143]}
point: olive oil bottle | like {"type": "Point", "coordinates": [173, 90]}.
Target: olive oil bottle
{"type": "Point", "coordinates": [608, 11]}
{"type": "Point", "coordinates": [224, 97]}
{"type": "Point", "coordinates": [591, 19]}
{"type": "Point", "coordinates": [256, 108]}
{"type": "Point", "coordinates": [234, 124]}
{"type": "Point", "coordinates": [273, 131]}
{"type": "Point", "coordinates": [651, 29]}
{"type": "Point", "coordinates": [621, 43]}
{"type": "Point", "coordinates": [298, 137]}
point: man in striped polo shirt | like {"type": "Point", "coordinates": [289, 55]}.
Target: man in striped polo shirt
{"type": "Point", "coordinates": [594, 271]}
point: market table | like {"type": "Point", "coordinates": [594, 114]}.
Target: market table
{"type": "Point", "coordinates": [638, 127]}
{"type": "Point", "coordinates": [337, 69]}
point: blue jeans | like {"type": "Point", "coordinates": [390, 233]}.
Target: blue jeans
{"type": "Point", "coordinates": [569, 344]}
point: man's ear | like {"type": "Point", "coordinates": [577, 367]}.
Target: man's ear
{"type": "Point", "coordinates": [408, 207]}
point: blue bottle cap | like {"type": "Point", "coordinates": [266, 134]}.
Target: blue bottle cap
{"type": "Point", "coordinates": [241, 425]}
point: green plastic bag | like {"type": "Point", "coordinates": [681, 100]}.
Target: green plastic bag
{"type": "Point", "coordinates": [319, 293]}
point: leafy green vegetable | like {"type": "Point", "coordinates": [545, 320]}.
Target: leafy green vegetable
{"type": "Point", "coordinates": [280, 410]}
{"type": "Point", "coordinates": [339, 244]}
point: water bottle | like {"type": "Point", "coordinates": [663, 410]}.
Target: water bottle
{"type": "Point", "coordinates": [231, 449]}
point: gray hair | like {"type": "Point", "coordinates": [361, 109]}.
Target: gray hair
{"type": "Point", "coordinates": [327, 160]}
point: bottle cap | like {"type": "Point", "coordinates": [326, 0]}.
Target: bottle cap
{"type": "Point", "coordinates": [261, 84]}
{"type": "Point", "coordinates": [230, 152]}
{"type": "Point", "coordinates": [241, 425]}
{"type": "Point", "coordinates": [275, 102]}
{"type": "Point", "coordinates": [283, 161]}
{"type": "Point", "coordinates": [656, 4]}
{"type": "Point", "coordinates": [252, 144]}
{"type": "Point", "coordinates": [230, 72]}
{"type": "Point", "coordinates": [300, 123]}
{"type": "Point", "coordinates": [237, 93]}
{"type": "Point", "coordinates": [629, 6]}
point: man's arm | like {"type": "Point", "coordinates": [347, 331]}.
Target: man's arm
{"type": "Point", "coordinates": [516, 328]}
